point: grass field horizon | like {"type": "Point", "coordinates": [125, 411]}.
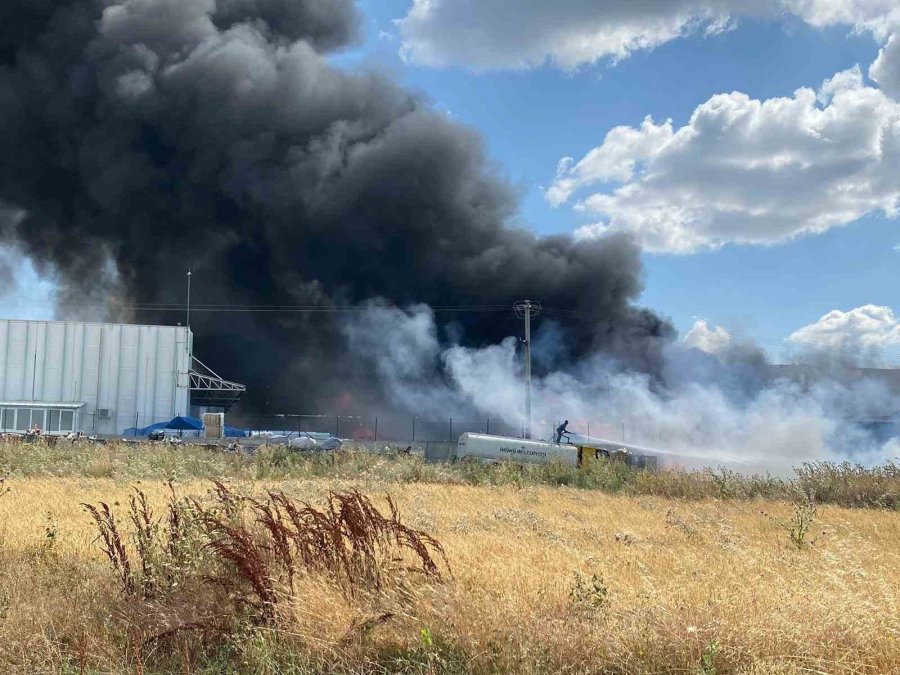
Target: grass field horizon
{"type": "Point", "coordinates": [547, 569]}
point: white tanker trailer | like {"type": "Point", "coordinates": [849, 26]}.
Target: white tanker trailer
{"type": "Point", "coordinates": [487, 448]}
{"type": "Point", "coordinates": [498, 448]}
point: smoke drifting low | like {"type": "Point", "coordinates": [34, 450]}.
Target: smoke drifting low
{"type": "Point", "coordinates": [140, 137]}
{"type": "Point", "coordinates": [727, 407]}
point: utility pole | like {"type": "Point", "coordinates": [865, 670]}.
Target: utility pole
{"type": "Point", "coordinates": [525, 310]}
{"type": "Point", "coordinates": [609, 398]}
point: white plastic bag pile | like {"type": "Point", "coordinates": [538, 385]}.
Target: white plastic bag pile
{"type": "Point", "coordinates": [307, 444]}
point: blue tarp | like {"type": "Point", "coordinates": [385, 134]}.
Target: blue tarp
{"type": "Point", "coordinates": [183, 424]}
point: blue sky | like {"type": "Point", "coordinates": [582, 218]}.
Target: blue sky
{"type": "Point", "coordinates": [558, 105]}
{"type": "Point", "coordinates": [32, 296]}
{"type": "Point", "coordinates": [532, 118]}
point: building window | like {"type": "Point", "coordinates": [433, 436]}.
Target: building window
{"type": "Point", "coordinates": [37, 419]}
{"type": "Point", "coordinates": [54, 421]}
{"type": "Point", "coordinates": [23, 419]}
{"type": "Point", "coordinates": [66, 420]}
{"type": "Point", "coordinates": [7, 419]}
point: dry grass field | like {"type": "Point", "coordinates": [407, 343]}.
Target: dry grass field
{"type": "Point", "coordinates": [540, 579]}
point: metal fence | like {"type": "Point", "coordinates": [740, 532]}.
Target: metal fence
{"type": "Point", "coordinates": [399, 428]}
{"type": "Point", "coordinates": [412, 428]}
{"type": "Point", "coordinates": [417, 429]}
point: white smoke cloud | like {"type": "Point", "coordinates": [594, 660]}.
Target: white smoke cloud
{"type": "Point", "coordinates": [701, 423]}
{"type": "Point", "coordinates": [745, 171]}
{"type": "Point", "coordinates": [867, 327]}
{"type": "Point", "coordinates": [494, 34]}
{"type": "Point", "coordinates": [403, 347]}
{"type": "Point", "coordinates": [772, 424]}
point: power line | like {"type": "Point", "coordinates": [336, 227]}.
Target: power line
{"type": "Point", "coordinates": [555, 312]}
{"type": "Point", "coordinates": [800, 346]}
{"type": "Point", "coordinates": [748, 340]}
{"type": "Point", "coordinates": [174, 307]}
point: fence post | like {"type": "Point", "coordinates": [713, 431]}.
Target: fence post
{"type": "Point", "coordinates": [589, 429]}
{"type": "Point", "coordinates": [376, 429]}
{"type": "Point", "coordinates": [337, 426]}
{"type": "Point", "coordinates": [451, 428]}
{"type": "Point", "coordinates": [488, 426]}
{"type": "Point", "coordinates": [414, 429]}
{"type": "Point", "coordinates": [135, 424]}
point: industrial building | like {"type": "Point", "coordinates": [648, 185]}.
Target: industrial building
{"type": "Point", "coordinates": [64, 376]}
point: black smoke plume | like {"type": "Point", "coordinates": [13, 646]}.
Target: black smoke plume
{"type": "Point", "coordinates": [141, 137]}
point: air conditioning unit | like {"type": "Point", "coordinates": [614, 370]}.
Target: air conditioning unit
{"type": "Point", "coordinates": [103, 413]}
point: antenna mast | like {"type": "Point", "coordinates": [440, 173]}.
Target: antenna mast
{"type": "Point", "coordinates": [189, 275]}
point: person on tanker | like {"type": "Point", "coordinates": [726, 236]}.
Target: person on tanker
{"type": "Point", "coordinates": [560, 430]}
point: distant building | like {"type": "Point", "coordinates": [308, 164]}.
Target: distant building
{"type": "Point", "coordinates": [881, 428]}
{"type": "Point", "coordinates": [807, 375]}
{"type": "Point", "coordinates": [102, 378]}
{"type": "Point", "coordinates": [883, 423]}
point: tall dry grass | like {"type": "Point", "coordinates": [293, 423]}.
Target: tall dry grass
{"type": "Point", "coordinates": [545, 579]}
{"type": "Point", "coordinates": [843, 484]}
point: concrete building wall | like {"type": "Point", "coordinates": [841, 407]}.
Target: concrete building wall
{"type": "Point", "coordinates": [137, 374]}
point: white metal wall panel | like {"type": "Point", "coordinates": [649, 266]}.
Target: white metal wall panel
{"type": "Point", "coordinates": [16, 360]}
{"type": "Point", "coordinates": [139, 374]}
{"type": "Point", "coordinates": [54, 355]}
{"type": "Point", "coordinates": [4, 351]}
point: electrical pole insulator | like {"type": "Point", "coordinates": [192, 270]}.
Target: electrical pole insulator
{"type": "Point", "coordinates": [525, 310]}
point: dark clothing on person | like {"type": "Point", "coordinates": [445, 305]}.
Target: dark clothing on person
{"type": "Point", "coordinates": [560, 430]}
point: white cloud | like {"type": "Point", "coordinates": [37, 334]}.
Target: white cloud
{"type": "Point", "coordinates": [499, 34]}
{"type": "Point", "coordinates": [712, 340]}
{"type": "Point", "coordinates": [742, 170]}
{"type": "Point", "coordinates": [886, 68]}
{"type": "Point", "coordinates": [745, 171]}
{"type": "Point", "coordinates": [487, 34]}
{"type": "Point", "coordinates": [868, 327]}
{"type": "Point", "coordinates": [623, 148]}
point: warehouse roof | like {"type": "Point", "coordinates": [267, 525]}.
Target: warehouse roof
{"type": "Point", "coordinates": [96, 323]}
{"type": "Point", "coordinates": [42, 404]}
